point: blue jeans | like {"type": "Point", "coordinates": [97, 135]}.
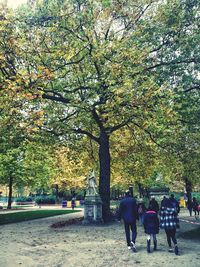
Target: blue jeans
{"type": "Point", "coordinates": [130, 227]}
{"type": "Point", "coordinates": [141, 216]}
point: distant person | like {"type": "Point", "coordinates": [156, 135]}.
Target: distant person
{"type": "Point", "coordinates": [128, 212]}
{"type": "Point", "coordinates": [175, 203]}
{"type": "Point", "coordinates": [154, 204]}
{"type": "Point", "coordinates": [169, 222]}
{"type": "Point", "coordinates": [195, 208]}
{"type": "Point", "coordinates": [151, 227]}
{"type": "Point", "coordinates": [141, 211]}
{"type": "Point", "coordinates": [162, 203]}
{"type": "Point", "coordinates": [73, 203]}
{"type": "Point", "coordinates": [190, 206]}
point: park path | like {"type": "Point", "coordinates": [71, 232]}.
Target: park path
{"type": "Point", "coordinates": [36, 244]}
{"type": "Point", "coordinates": [191, 221]}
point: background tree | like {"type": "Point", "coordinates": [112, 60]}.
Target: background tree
{"type": "Point", "coordinates": [71, 169]}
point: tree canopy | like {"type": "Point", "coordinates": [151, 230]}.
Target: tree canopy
{"type": "Point", "coordinates": [114, 71]}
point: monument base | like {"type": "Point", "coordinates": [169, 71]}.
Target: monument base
{"type": "Point", "coordinates": [92, 209]}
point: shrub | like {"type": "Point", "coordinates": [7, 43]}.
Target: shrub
{"type": "Point", "coordinates": [79, 197]}
{"type": "Point", "coordinates": [23, 199]}
{"type": "Point", "coordinates": [197, 195]}
{"type": "Point", "coordinates": [45, 200]}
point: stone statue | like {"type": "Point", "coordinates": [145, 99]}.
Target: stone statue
{"type": "Point", "coordinates": [92, 201]}
{"type": "Point", "coordinates": [91, 184]}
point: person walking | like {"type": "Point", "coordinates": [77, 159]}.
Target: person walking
{"type": "Point", "coordinates": [154, 204]}
{"type": "Point", "coordinates": [162, 203]}
{"type": "Point", "coordinates": [73, 203]}
{"type": "Point", "coordinates": [151, 227]}
{"type": "Point", "coordinates": [169, 222]}
{"type": "Point", "coordinates": [141, 211]}
{"type": "Point", "coordinates": [190, 206]}
{"type": "Point", "coordinates": [175, 203]}
{"type": "Point", "coordinates": [128, 212]}
{"type": "Point", "coordinates": [195, 208]}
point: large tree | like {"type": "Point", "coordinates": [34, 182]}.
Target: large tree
{"type": "Point", "coordinates": [98, 66]}
{"type": "Point", "coordinates": [92, 67]}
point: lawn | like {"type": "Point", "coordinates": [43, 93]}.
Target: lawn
{"type": "Point", "coordinates": [21, 206]}
{"type": "Point", "coordinates": [14, 217]}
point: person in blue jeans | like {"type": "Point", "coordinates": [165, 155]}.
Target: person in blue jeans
{"type": "Point", "coordinates": [128, 212]}
{"type": "Point", "coordinates": [141, 209]}
{"type": "Point", "coordinates": [195, 207]}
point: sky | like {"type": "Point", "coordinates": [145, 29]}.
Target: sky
{"type": "Point", "coordinates": [14, 3]}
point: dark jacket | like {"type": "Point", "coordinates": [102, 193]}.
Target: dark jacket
{"type": "Point", "coordinates": [151, 222]}
{"type": "Point", "coordinates": [175, 204]}
{"type": "Point", "coordinates": [128, 210]}
{"type": "Point", "coordinates": [195, 205]}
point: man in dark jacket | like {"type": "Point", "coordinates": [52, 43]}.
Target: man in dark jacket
{"type": "Point", "coordinates": [128, 212]}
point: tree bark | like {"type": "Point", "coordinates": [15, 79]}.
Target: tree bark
{"type": "Point", "coordinates": [104, 181]}
{"type": "Point", "coordinates": [188, 187]}
{"type": "Point", "coordinates": [57, 194]}
{"type": "Point", "coordinates": [10, 192]}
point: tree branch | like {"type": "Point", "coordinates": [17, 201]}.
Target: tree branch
{"type": "Point", "coordinates": [55, 98]}
{"type": "Point", "coordinates": [97, 119]}
{"type": "Point", "coordinates": [120, 125]}
{"type": "Point", "coordinates": [80, 131]}
{"type": "Point", "coordinates": [149, 133]}
{"type": "Point", "coordinates": [67, 117]}
{"type": "Point", "coordinates": [196, 87]}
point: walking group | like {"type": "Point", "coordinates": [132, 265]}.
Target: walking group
{"type": "Point", "coordinates": [193, 205]}
{"type": "Point", "coordinates": [153, 218]}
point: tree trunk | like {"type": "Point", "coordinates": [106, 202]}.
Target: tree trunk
{"type": "Point", "coordinates": [104, 181]}
{"type": "Point", "coordinates": [188, 187]}
{"type": "Point", "coordinates": [131, 190]}
{"type": "Point", "coordinates": [10, 192]}
{"type": "Point", "coordinates": [57, 194]}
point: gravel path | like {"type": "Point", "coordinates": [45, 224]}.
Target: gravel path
{"type": "Point", "coordinates": [36, 244]}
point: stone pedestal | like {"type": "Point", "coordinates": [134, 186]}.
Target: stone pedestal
{"type": "Point", "coordinates": [92, 209]}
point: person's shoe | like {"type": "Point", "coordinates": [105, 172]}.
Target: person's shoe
{"type": "Point", "coordinates": [155, 245]}
{"type": "Point", "coordinates": [176, 249]}
{"type": "Point", "coordinates": [148, 246]}
{"type": "Point", "coordinates": [133, 246]}
{"type": "Point", "coordinates": [170, 250]}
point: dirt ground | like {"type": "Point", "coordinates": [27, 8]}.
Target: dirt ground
{"type": "Point", "coordinates": [36, 244]}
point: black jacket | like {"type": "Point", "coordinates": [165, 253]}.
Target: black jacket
{"type": "Point", "coordinates": [151, 222]}
{"type": "Point", "coordinates": [128, 210]}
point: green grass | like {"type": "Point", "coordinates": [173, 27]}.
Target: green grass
{"type": "Point", "coordinates": [31, 215]}
{"type": "Point", "coordinates": [21, 206]}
